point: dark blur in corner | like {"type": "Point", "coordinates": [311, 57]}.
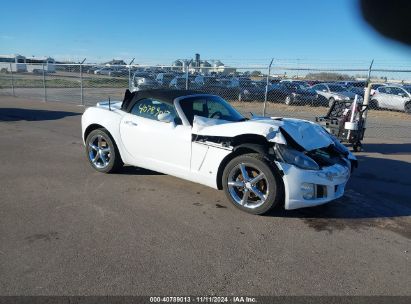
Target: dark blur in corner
{"type": "Point", "coordinates": [390, 18]}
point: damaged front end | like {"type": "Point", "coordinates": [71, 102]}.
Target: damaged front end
{"type": "Point", "coordinates": [314, 165]}
{"type": "Point", "coordinates": [312, 177]}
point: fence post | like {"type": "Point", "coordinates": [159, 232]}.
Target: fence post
{"type": "Point", "coordinates": [44, 83]}
{"type": "Point", "coordinates": [81, 82]}
{"type": "Point", "coordinates": [188, 67]}
{"type": "Point", "coordinates": [129, 73]}
{"type": "Point", "coordinates": [12, 79]}
{"type": "Point", "coordinates": [367, 94]}
{"type": "Point", "coordinates": [266, 87]}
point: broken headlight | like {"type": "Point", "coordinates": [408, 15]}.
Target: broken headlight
{"type": "Point", "coordinates": [296, 158]}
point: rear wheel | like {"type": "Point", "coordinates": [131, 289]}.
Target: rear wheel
{"type": "Point", "coordinates": [374, 104]}
{"type": "Point", "coordinates": [288, 100]}
{"type": "Point", "coordinates": [251, 184]}
{"type": "Point", "coordinates": [102, 152]}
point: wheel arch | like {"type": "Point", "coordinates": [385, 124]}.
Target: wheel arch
{"type": "Point", "coordinates": [242, 144]}
{"type": "Point", "coordinates": [91, 128]}
{"type": "Point", "coordinates": [95, 126]}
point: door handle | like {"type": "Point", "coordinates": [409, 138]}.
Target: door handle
{"type": "Point", "coordinates": [130, 123]}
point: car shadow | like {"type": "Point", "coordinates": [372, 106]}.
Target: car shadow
{"type": "Point", "coordinates": [402, 148]}
{"type": "Point", "coordinates": [18, 114]}
{"type": "Point", "coordinates": [378, 191]}
{"type": "Point", "coordinates": [130, 170]}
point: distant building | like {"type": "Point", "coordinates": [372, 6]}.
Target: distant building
{"type": "Point", "coordinates": [115, 62]}
{"type": "Point", "coordinates": [203, 66]}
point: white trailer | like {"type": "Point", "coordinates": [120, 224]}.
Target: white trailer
{"type": "Point", "coordinates": [35, 64]}
{"type": "Point", "coordinates": [13, 63]}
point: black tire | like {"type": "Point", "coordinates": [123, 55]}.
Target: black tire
{"type": "Point", "coordinates": [374, 104]}
{"type": "Point", "coordinates": [357, 147]}
{"type": "Point", "coordinates": [112, 160]}
{"type": "Point", "coordinates": [271, 186]}
{"type": "Point", "coordinates": [407, 107]}
{"type": "Point", "coordinates": [330, 102]}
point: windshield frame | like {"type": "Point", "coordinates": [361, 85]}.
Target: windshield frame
{"type": "Point", "coordinates": [184, 119]}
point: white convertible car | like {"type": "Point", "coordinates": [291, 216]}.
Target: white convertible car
{"type": "Point", "coordinates": [260, 162]}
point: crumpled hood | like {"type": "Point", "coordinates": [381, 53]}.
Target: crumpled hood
{"type": "Point", "coordinates": [307, 134]}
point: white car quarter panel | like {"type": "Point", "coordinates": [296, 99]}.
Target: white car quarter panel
{"type": "Point", "coordinates": [110, 120]}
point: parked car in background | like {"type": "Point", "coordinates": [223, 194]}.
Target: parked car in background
{"type": "Point", "coordinates": [374, 87]}
{"type": "Point", "coordinates": [348, 84]}
{"type": "Point", "coordinates": [104, 71]}
{"type": "Point", "coordinates": [392, 97]}
{"type": "Point", "coordinates": [180, 82]}
{"type": "Point", "coordinates": [143, 81]}
{"type": "Point", "coordinates": [356, 90]}
{"type": "Point", "coordinates": [92, 69]}
{"type": "Point", "coordinates": [329, 92]}
{"type": "Point", "coordinates": [251, 90]}
{"type": "Point", "coordinates": [292, 81]}
{"type": "Point", "coordinates": [164, 79]}
{"type": "Point", "coordinates": [123, 72]}
{"type": "Point", "coordinates": [296, 92]}
{"type": "Point", "coordinates": [204, 81]}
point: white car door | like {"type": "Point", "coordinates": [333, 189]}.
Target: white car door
{"type": "Point", "coordinates": [393, 100]}
{"type": "Point", "coordinates": [153, 144]}
{"type": "Point", "coordinates": [401, 97]}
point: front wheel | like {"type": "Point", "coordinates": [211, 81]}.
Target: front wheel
{"type": "Point", "coordinates": [102, 152]}
{"type": "Point", "coordinates": [407, 107]}
{"type": "Point", "coordinates": [251, 184]}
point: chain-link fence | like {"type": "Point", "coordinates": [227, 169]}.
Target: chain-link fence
{"type": "Point", "coordinates": [291, 88]}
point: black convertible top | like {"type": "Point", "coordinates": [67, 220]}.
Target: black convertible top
{"type": "Point", "coordinates": [164, 95]}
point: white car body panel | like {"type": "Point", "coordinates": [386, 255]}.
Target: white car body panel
{"type": "Point", "coordinates": [392, 100]}
{"type": "Point", "coordinates": [172, 149]}
{"type": "Point", "coordinates": [307, 134]}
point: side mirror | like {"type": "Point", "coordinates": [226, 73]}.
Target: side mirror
{"type": "Point", "coordinates": [165, 117]}
{"type": "Point", "coordinates": [401, 94]}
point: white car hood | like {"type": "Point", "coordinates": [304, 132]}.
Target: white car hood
{"type": "Point", "coordinates": [307, 134]}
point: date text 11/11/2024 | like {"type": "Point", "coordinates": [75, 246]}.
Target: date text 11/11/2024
{"type": "Point", "coordinates": [203, 299]}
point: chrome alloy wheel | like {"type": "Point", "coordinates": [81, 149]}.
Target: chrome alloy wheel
{"type": "Point", "coordinates": [248, 186]}
{"type": "Point", "coordinates": [99, 151]}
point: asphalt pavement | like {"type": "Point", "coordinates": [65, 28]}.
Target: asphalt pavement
{"type": "Point", "coordinates": [66, 229]}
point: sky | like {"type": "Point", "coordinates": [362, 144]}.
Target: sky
{"type": "Point", "coordinates": [160, 31]}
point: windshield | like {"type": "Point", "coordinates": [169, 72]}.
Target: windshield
{"type": "Point", "coordinates": [407, 88]}
{"type": "Point", "coordinates": [209, 107]}
{"type": "Point", "coordinates": [336, 88]}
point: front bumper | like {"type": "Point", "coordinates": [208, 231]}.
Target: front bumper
{"type": "Point", "coordinates": [329, 183]}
